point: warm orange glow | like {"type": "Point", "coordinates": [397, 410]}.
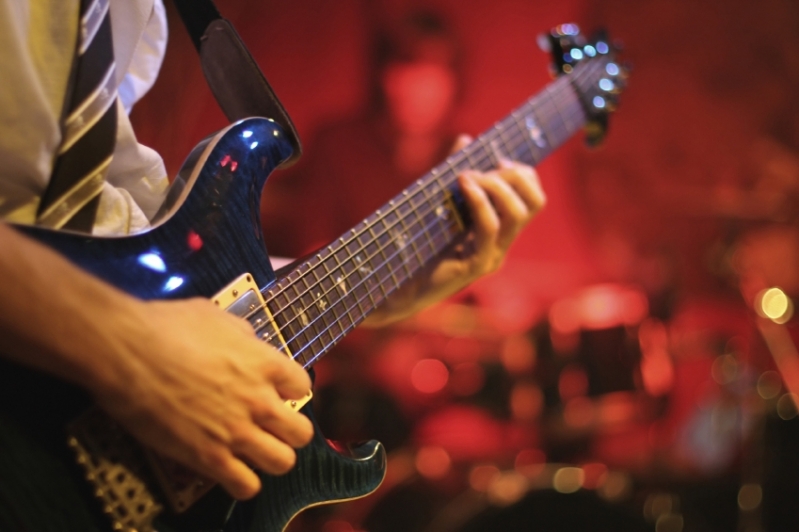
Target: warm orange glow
{"type": "Point", "coordinates": [724, 369]}
{"type": "Point", "coordinates": [775, 305]}
{"type": "Point", "coordinates": [769, 384]}
{"type": "Point", "coordinates": [750, 496]}
{"type": "Point", "coordinates": [481, 477]}
{"type": "Point", "coordinates": [579, 412]}
{"type": "Point", "coordinates": [787, 406]}
{"type": "Point", "coordinates": [657, 368]}
{"type": "Point", "coordinates": [433, 462]}
{"type": "Point", "coordinates": [564, 316]}
{"type": "Point", "coordinates": [568, 479]}
{"type": "Point", "coordinates": [594, 475]}
{"type": "Point", "coordinates": [530, 462]}
{"type": "Point", "coordinates": [526, 401]}
{"type": "Point", "coordinates": [429, 375]}
{"type": "Point", "coordinates": [606, 306]}
{"type": "Point", "coordinates": [617, 487]}
{"type": "Point", "coordinates": [507, 488]}
{"type": "Point", "coordinates": [573, 382]}
{"type": "Point", "coordinates": [419, 95]}
{"type": "Point", "coordinates": [658, 504]}
{"type": "Point", "coordinates": [599, 307]}
{"type": "Point", "coordinates": [466, 379]}
{"type": "Point", "coordinates": [518, 354]}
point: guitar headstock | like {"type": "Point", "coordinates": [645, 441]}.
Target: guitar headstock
{"type": "Point", "coordinates": [597, 87]}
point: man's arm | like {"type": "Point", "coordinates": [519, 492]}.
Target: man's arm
{"type": "Point", "coordinates": [190, 381]}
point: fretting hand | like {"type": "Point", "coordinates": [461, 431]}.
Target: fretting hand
{"type": "Point", "coordinates": [501, 202]}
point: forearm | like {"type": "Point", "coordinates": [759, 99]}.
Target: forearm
{"type": "Point", "coordinates": [50, 310]}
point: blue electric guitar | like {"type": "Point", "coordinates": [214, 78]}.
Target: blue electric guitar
{"type": "Point", "coordinates": [64, 460]}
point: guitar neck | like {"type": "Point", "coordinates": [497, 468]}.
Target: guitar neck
{"type": "Point", "coordinates": [326, 296]}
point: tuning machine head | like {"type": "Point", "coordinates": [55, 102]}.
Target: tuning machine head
{"type": "Point", "coordinates": [599, 85]}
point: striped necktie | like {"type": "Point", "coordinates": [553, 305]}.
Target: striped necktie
{"type": "Point", "coordinates": [89, 127]}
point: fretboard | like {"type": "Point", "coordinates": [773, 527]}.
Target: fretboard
{"type": "Point", "coordinates": [326, 296]}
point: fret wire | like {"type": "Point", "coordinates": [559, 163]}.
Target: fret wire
{"type": "Point", "coordinates": [366, 268]}
{"type": "Point", "coordinates": [382, 247]}
{"type": "Point", "coordinates": [355, 235]}
{"type": "Point", "coordinates": [564, 120]}
{"type": "Point", "coordinates": [510, 153]}
{"type": "Point", "coordinates": [325, 347]}
{"type": "Point", "coordinates": [526, 144]}
{"type": "Point", "coordinates": [366, 279]}
{"type": "Point", "coordinates": [529, 150]}
{"type": "Point", "coordinates": [438, 206]}
{"type": "Point", "coordinates": [466, 155]}
{"type": "Point", "coordinates": [405, 232]}
{"type": "Point", "coordinates": [353, 260]}
{"type": "Point", "coordinates": [544, 117]}
{"type": "Point", "coordinates": [357, 303]}
{"type": "Point", "coordinates": [380, 250]}
{"type": "Point", "coordinates": [324, 294]}
{"type": "Point", "coordinates": [363, 280]}
{"type": "Point", "coordinates": [401, 218]}
{"type": "Point", "coordinates": [420, 221]}
{"type": "Point", "coordinates": [334, 338]}
{"type": "Point", "coordinates": [551, 118]}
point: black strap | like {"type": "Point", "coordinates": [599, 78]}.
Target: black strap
{"type": "Point", "coordinates": [235, 79]}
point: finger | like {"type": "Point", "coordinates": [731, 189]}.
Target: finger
{"type": "Point", "coordinates": [287, 376]}
{"type": "Point", "coordinates": [524, 180]}
{"type": "Point", "coordinates": [484, 218]}
{"type": "Point", "coordinates": [461, 142]}
{"type": "Point", "coordinates": [266, 452]}
{"type": "Point", "coordinates": [512, 211]}
{"type": "Point", "coordinates": [233, 474]}
{"type": "Point", "coordinates": [285, 423]}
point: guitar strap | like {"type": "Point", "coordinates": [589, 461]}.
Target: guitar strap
{"type": "Point", "coordinates": [89, 118]}
{"type": "Point", "coordinates": [235, 79]}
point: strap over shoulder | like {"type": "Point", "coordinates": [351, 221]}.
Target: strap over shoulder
{"type": "Point", "coordinates": [235, 79]}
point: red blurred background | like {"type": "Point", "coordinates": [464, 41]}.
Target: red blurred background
{"type": "Point", "coordinates": [613, 375]}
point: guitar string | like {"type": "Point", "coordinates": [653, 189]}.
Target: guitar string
{"type": "Point", "coordinates": [486, 156]}
{"type": "Point", "coordinates": [343, 330]}
{"type": "Point", "coordinates": [497, 132]}
{"type": "Point", "coordinates": [323, 255]}
{"type": "Point", "coordinates": [337, 322]}
{"type": "Point", "coordinates": [354, 298]}
{"type": "Point", "coordinates": [387, 228]}
{"type": "Point", "coordinates": [364, 279]}
{"type": "Point", "coordinates": [369, 277]}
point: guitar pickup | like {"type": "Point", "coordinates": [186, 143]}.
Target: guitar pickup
{"type": "Point", "coordinates": [243, 298]}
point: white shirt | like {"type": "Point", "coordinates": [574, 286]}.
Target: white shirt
{"type": "Point", "coordinates": [37, 45]}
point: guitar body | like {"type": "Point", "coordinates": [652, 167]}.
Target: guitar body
{"type": "Point", "coordinates": [207, 235]}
